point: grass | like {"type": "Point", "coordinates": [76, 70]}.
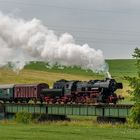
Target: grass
{"type": "Point", "coordinates": [61, 131]}
{"type": "Point", "coordinates": [117, 68]}
{"type": "Point", "coordinates": [122, 67]}
{"type": "Point", "coordinates": [41, 66]}
{"type": "Point", "coordinates": [38, 72]}
{"type": "Point", "coordinates": [35, 76]}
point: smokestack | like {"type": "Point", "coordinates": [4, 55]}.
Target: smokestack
{"type": "Point", "coordinates": [24, 41]}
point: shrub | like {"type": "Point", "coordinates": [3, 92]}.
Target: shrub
{"type": "Point", "coordinates": [135, 86]}
{"type": "Point", "coordinates": [134, 116]}
{"type": "Point", "coordinates": [24, 117]}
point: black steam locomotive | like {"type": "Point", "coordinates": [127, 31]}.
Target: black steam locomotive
{"type": "Point", "coordinates": [84, 92]}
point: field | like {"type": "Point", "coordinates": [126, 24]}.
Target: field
{"type": "Point", "coordinates": [121, 68]}
{"type": "Point", "coordinates": [40, 72]}
{"type": "Point", "coordinates": [66, 131]}
{"type": "Point", "coordinates": [117, 68]}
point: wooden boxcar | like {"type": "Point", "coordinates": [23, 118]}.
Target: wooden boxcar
{"type": "Point", "coordinates": [26, 92]}
{"type": "Point", "coordinates": [7, 92]}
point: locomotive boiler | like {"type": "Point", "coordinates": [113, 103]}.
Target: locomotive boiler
{"type": "Point", "coordinates": [93, 91]}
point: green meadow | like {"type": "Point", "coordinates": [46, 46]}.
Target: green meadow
{"type": "Point", "coordinates": [117, 68]}
{"type": "Point", "coordinates": [66, 131]}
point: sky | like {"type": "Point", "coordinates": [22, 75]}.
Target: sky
{"type": "Point", "coordinates": [110, 25]}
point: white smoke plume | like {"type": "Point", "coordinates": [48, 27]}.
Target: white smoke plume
{"type": "Point", "coordinates": [108, 75]}
{"type": "Point", "coordinates": [24, 41]}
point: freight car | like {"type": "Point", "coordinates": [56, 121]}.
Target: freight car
{"type": "Point", "coordinates": [7, 92]}
{"type": "Point", "coordinates": [22, 92]}
{"type": "Point", "coordinates": [63, 91]}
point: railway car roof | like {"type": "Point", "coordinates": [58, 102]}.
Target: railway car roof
{"type": "Point", "coordinates": [7, 86]}
{"type": "Point", "coordinates": [26, 85]}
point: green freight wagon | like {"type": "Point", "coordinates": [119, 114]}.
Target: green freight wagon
{"type": "Point", "coordinates": [7, 92]}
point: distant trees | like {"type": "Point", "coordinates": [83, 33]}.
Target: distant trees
{"type": "Point", "coordinates": [135, 85]}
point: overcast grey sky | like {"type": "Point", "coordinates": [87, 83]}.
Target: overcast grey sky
{"type": "Point", "coordinates": [110, 25]}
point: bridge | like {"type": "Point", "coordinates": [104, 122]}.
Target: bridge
{"type": "Point", "coordinates": [101, 111]}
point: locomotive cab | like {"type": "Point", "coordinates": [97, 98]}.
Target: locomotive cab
{"type": "Point", "coordinates": [70, 87]}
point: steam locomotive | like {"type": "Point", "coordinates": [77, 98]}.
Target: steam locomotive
{"type": "Point", "coordinates": [63, 91]}
{"type": "Point", "coordinates": [93, 91]}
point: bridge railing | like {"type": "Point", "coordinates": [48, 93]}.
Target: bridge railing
{"type": "Point", "coordinates": [120, 111]}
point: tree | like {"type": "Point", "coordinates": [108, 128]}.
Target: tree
{"type": "Point", "coordinates": [134, 83]}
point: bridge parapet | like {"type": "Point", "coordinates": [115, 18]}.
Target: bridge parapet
{"type": "Point", "coordinates": [120, 111]}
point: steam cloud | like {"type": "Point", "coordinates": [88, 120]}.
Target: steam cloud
{"type": "Point", "coordinates": [24, 41]}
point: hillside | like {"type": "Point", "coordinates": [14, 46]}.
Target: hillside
{"type": "Point", "coordinates": [122, 67]}
{"type": "Point", "coordinates": [117, 68]}
{"type": "Point", "coordinates": [34, 76]}
{"type": "Point", "coordinates": [38, 72]}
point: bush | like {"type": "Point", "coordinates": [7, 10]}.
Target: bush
{"type": "Point", "coordinates": [24, 117]}
{"type": "Point", "coordinates": [134, 83]}
{"type": "Point", "coordinates": [135, 114]}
